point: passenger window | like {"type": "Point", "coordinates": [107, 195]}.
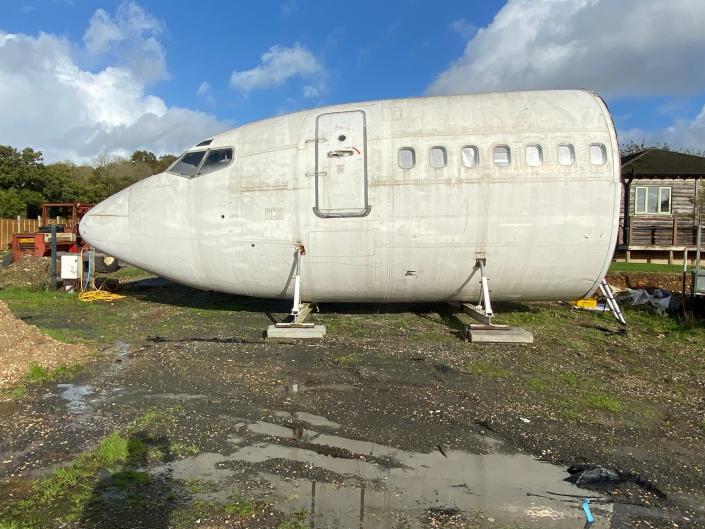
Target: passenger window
{"type": "Point", "coordinates": [438, 157]}
{"type": "Point", "coordinates": [217, 159]}
{"type": "Point", "coordinates": [598, 154]}
{"type": "Point", "coordinates": [534, 155]}
{"type": "Point", "coordinates": [407, 158]}
{"type": "Point", "coordinates": [469, 155]}
{"type": "Point", "coordinates": [566, 154]}
{"type": "Point", "coordinates": [188, 164]}
{"type": "Point", "coordinates": [502, 155]}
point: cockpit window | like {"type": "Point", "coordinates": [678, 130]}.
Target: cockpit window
{"type": "Point", "coordinates": [188, 164]}
{"type": "Point", "coordinates": [204, 143]}
{"type": "Point", "coordinates": [216, 159]}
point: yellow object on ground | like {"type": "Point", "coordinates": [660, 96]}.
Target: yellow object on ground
{"type": "Point", "coordinates": [98, 295]}
{"type": "Point", "coordinates": [588, 303]}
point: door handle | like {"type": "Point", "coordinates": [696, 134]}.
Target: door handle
{"type": "Point", "coordinates": [340, 153]}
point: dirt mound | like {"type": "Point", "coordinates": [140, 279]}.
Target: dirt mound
{"type": "Point", "coordinates": [670, 282]}
{"type": "Point", "coordinates": [28, 272]}
{"type": "Point", "coordinates": [22, 344]}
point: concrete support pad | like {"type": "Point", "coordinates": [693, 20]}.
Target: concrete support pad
{"type": "Point", "coordinates": [315, 332]}
{"type": "Point", "coordinates": [510, 335]}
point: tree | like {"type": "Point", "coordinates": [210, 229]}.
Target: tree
{"type": "Point", "coordinates": [11, 203]}
{"type": "Point", "coordinates": [164, 162]}
{"type": "Point", "coordinates": [23, 175]}
{"type": "Point", "coordinates": [25, 182]}
{"type": "Point", "coordinates": [21, 170]}
{"type": "Point", "coordinates": [145, 157]}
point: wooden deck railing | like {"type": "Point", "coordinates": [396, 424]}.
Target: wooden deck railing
{"type": "Point", "coordinates": [660, 232]}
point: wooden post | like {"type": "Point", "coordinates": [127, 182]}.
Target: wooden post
{"type": "Point", "coordinates": [630, 229]}
{"type": "Point", "coordinates": [19, 229]}
{"type": "Point", "coordinates": [675, 231]}
{"type": "Point", "coordinates": [626, 230]}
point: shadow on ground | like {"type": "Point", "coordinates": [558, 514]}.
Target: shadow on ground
{"type": "Point", "coordinates": [128, 497]}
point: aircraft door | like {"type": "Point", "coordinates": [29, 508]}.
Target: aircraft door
{"type": "Point", "coordinates": [341, 165]}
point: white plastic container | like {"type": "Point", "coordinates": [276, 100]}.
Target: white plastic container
{"type": "Point", "coordinates": [69, 266]}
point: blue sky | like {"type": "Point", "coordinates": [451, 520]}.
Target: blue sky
{"type": "Point", "coordinates": [83, 79]}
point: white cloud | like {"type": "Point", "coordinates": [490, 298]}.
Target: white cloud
{"type": "Point", "coordinates": [205, 92]}
{"type": "Point", "coordinates": [277, 65]}
{"type": "Point", "coordinates": [288, 7]}
{"type": "Point", "coordinates": [51, 103]}
{"type": "Point", "coordinates": [620, 48]}
{"type": "Point", "coordinates": [684, 134]}
{"type": "Point", "coordinates": [463, 28]}
{"type": "Point", "coordinates": [311, 91]}
{"type": "Point", "coordinates": [130, 36]}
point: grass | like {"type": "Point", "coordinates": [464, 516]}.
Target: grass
{"type": "Point", "coordinates": [349, 359]}
{"type": "Point", "coordinates": [646, 267]}
{"type": "Point", "coordinates": [201, 486]}
{"type": "Point", "coordinates": [186, 516]}
{"type": "Point", "coordinates": [70, 491]}
{"type": "Point", "coordinates": [242, 508]}
{"type": "Point", "coordinates": [292, 524]}
{"type": "Point", "coordinates": [171, 312]}
{"type": "Point", "coordinates": [486, 369]}
{"type": "Point", "coordinates": [38, 374]}
{"type": "Point", "coordinates": [179, 449]}
{"type": "Point", "coordinates": [131, 272]}
{"type": "Point", "coordinates": [66, 492]}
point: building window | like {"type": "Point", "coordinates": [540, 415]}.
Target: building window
{"type": "Point", "coordinates": [470, 156]}
{"type": "Point", "coordinates": [502, 155]}
{"type": "Point", "coordinates": [438, 157]}
{"type": "Point", "coordinates": [598, 154]}
{"type": "Point", "coordinates": [407, 158]}
{"type": "Point", "coordinates": [566, 154]}
{"type": "Point", "coordinates": [652, 200]}
{"type": "Point", "coordinates": [534, 155]}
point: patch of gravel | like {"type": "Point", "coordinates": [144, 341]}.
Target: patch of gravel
{"type": "Point", "coordinates": [29, 272]}
{"type": "Point", "coordinates": [21, 344]}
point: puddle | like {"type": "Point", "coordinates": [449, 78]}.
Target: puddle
{"type": "Point", "coordinates": [121, 348]}
{"type": "Point", "coordinates": [308, 418]}
{"type": "Point", "coordinates": [76, 396]}
{"type": "Point", "coordinates": [300, 388]}
{"type": "Point", "coordinates": [350, 488]}
{"type": "Point", "coordinates": [288, 432]}
{"type": "Point", "coordinates": [175, 396]}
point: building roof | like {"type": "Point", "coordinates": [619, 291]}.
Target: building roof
{"type": "Point", "coordinates": [660, 163]}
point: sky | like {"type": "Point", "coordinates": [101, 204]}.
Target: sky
{"type": "Point", "coordinates": [80, 79]}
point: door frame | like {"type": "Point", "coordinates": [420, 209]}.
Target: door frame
{"type": "Point", "coordinates": [327, 214]}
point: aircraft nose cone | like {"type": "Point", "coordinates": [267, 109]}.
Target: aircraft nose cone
{"type": "Point", "coordinates": [106, 226]}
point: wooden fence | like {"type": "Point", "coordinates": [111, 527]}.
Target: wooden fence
{"type": "Point", "coordinates": [20, 225]}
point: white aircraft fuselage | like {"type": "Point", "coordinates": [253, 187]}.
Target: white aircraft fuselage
{"type": "Point", "coordinates": [392, 201]}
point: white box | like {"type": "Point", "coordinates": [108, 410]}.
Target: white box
{"type": "Point", "coordinates": [69, 266]}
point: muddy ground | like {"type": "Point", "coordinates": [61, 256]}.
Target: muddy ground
{"type": "Point", "coordinates": [186, 417]}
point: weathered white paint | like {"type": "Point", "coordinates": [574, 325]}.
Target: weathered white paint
{"type": "Point", "coordinates": [547, 232]}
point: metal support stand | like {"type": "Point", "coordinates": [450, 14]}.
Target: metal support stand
{"type": "Point", "coordinates": [487, 331]}
{"type": "Point", "coordinates": [299, 311]}
{"type": "Point", "coordinates": [611, 302]}
{"type": "Point", "coordinates": [482, 312]}
{"type": "Point", "coordinates": [297, 327]}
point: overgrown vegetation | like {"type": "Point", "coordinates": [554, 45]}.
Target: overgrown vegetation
{"type": "Point", "coordinates": [26, 182]}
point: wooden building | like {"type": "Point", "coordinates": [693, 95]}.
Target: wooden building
{"type": "Point", "coordinates": [660, 205]}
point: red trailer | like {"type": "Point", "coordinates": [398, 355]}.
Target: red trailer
{"type": "Point", "coordinates": [68, 239]}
